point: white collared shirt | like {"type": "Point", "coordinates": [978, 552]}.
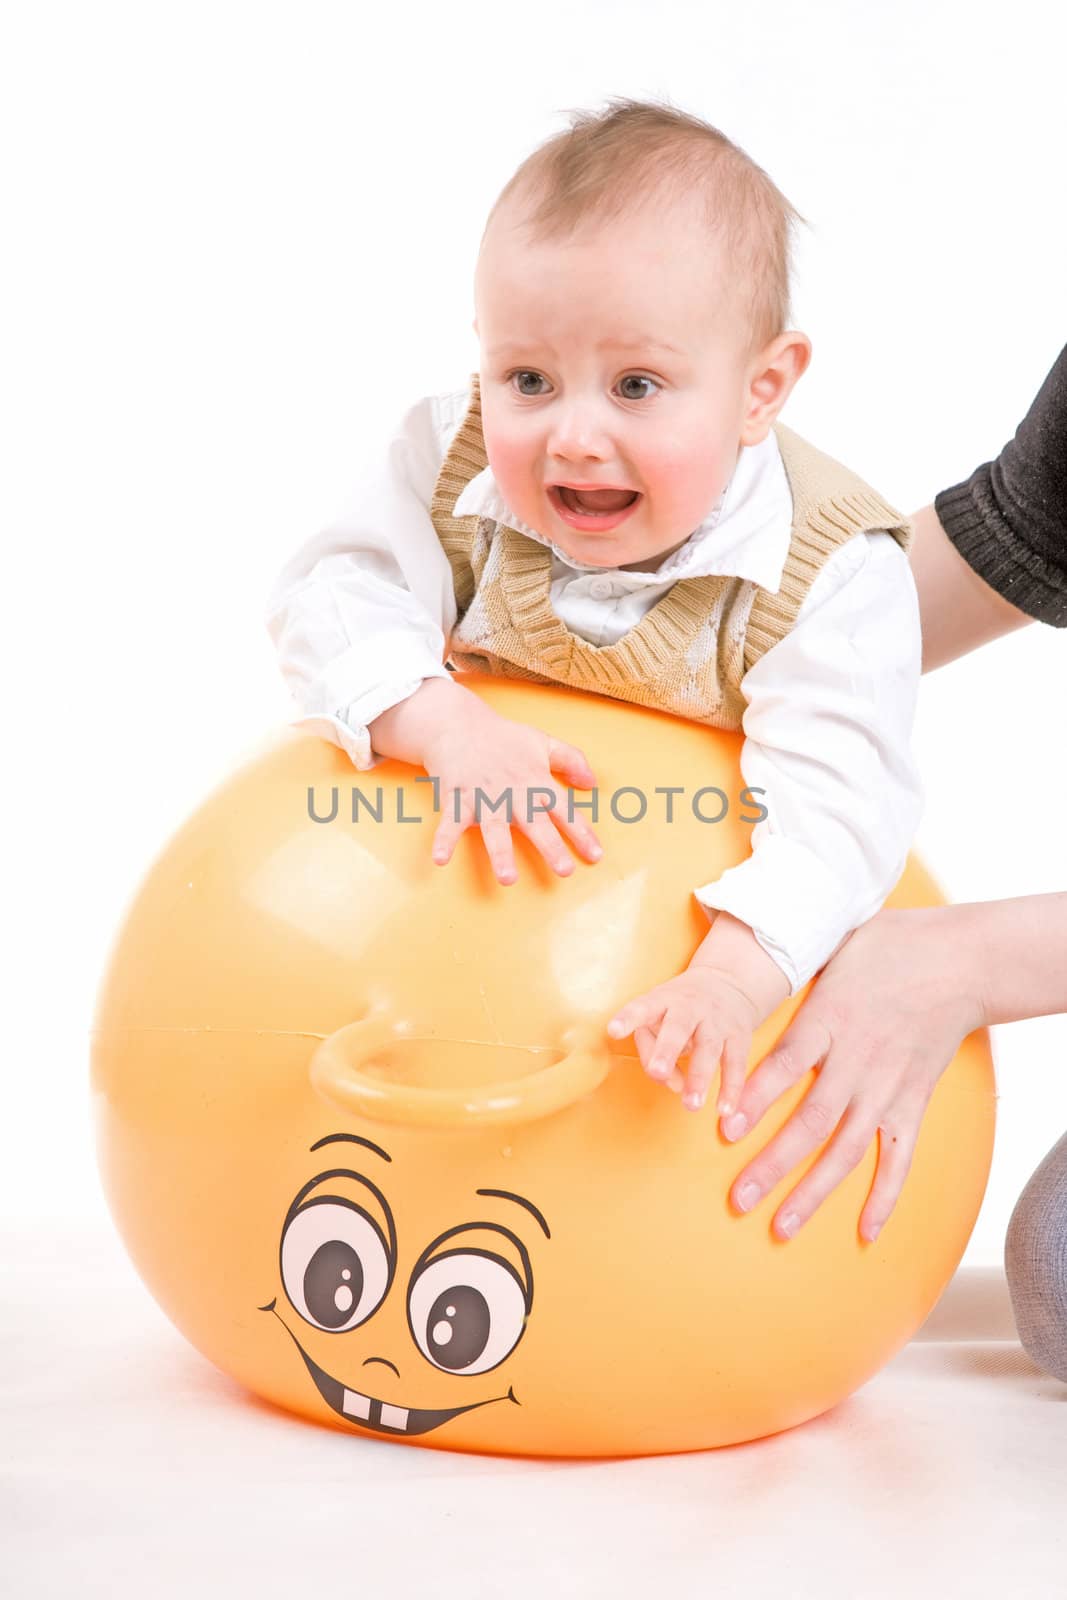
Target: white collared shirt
{"type": "Point", "coordinates": [362, 613]}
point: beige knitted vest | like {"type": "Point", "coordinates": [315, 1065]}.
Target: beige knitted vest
{"type": "Point", "coordinates": [689, 652]}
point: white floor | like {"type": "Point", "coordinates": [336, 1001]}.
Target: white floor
{"type": "Point", "coordinates": [131, 1466]}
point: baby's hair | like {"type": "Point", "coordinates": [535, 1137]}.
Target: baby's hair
{"type": "Point", "coordinates": [607, 163]}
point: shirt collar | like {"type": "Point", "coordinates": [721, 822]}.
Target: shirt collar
{"type": "Point", "coordinates": [746, 535]}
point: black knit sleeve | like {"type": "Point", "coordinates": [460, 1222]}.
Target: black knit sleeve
{"type": "Point", "coordinates": [1009, 519]}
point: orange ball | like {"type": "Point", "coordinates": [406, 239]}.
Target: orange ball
{"type": "Point", "coordinates": [367, 1142]}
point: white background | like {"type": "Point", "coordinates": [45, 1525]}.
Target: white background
{"type": "Point", "coordinates": [239, 235]}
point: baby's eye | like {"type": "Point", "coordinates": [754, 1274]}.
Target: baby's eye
{"type": "Point", "coordinates": [525, 373]}
{"type": "Point", "coordinates": [635, 377]}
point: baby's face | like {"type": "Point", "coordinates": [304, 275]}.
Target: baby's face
{"type": "Point", "coordinates": [618, 359]}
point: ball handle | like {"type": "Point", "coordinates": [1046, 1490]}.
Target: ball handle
{"type": "Point", "coordinates": [340, 1072]}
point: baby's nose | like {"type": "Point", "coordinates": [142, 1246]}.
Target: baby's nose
{"type": "Point", "coordinates": [579, 434]}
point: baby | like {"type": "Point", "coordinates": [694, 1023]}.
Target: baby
{"type": "Point", "coordinates": [610, 504]}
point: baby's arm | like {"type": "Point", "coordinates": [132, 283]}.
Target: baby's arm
{"type": "Point", "coordinates": [827, 730]}
{"type": "Point", "coordinates": [360, 616]}
{"type": "Point", "coordinates": [827, 739]}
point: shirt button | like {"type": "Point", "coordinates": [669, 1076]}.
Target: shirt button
{"type": "Point", "coordinates": [601, 588]}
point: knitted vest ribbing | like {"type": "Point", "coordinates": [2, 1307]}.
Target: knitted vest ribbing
{"type": "Point", "coordinates": [689, 652]}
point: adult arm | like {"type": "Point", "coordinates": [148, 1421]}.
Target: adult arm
{"type": "Point", "coordinates": [1016, 954]}
{"type": "Point", "coordinates": [959, 610]}
{"type": "Point", "coordinates": [990, 554]}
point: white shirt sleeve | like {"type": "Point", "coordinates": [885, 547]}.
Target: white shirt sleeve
{"type": "Point", "coordinates": [362, 613]}
{"type": "Point", "coordinates": [827, 738]}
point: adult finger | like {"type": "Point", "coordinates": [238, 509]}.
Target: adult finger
{"type": "Point", "coordinates": [845, 1152]}
{"type": "Point", "coordinates": [810, 1125]}
{"type": "Point", "coordinates": [898, 1134]}
{"type": "Point", "coordinates": [802, 1046]}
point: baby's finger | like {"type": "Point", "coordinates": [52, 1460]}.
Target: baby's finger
{"type": "Point", "coordinates": [898, 1134]}
{"type": "Point", "coordinates": [703, 1065]}
{"type": "Point", "coordinates": [568, 821]}
{"type": "Point", "coordinates": [734, 1065]}
{"type": "Point", "coordinates": [645, 1040]}
{"type": "Point", "coordinates": [569, 760]}
{"type": "Point", "coordinates": [803, 1044]}
{"type": "Point", "coordinates": [444, 839]}
{"type": "Point", "coordinates": [497, 838]}
{"type": "Point", "coordinates": [546, 839]}
{"type": "Point", "coordinates": [644, 1010]}
{"type": "Point", "coordinates": [672, 1037]}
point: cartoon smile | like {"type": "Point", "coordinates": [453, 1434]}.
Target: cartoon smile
{"type": "Point", "coordinates": [381, 1416]}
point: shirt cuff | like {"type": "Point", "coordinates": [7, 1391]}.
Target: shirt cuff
{"type": "Point", "coordinates": [367, 670]}
{"type": "Point", "coordinates": [349, 728]}
{"type": "Point", "coordinates": [797, 909]}
{"type": "Point", "coordinates": [355, 742]}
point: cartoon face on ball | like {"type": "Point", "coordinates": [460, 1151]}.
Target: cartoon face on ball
{"type": "Point", "coordinates": [460, 1308]}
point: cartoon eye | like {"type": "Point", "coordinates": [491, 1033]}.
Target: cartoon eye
{"type": "Point", "coordinates": [467, 1311]}
{"type": "Point", "coordinates": [335, 1265]}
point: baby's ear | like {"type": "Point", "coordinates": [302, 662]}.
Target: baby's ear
{"type": "Point", "coordinates": [777, 368]}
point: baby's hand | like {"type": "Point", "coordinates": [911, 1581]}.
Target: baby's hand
{"type": "Point", "coordinates": [477, 749]}
{"type": "Point", "coordinates": [700, 1010]}
{"type": "Point", "coordinates": [730, 986]}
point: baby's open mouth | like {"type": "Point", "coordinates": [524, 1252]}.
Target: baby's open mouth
{"type": "Point", "coordinates": [595, 502]}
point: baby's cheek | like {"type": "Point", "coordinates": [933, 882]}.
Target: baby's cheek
{"type": "Point", "coordinates": [686, 484]}
{"type": "Point", "coordinates": [511, 460]}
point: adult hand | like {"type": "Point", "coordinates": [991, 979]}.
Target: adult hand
{"type": "Point", "coordinates": [880, 1026]}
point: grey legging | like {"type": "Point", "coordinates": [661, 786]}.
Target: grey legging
{"type": "Point", "coordinates": [1035, 1259]}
